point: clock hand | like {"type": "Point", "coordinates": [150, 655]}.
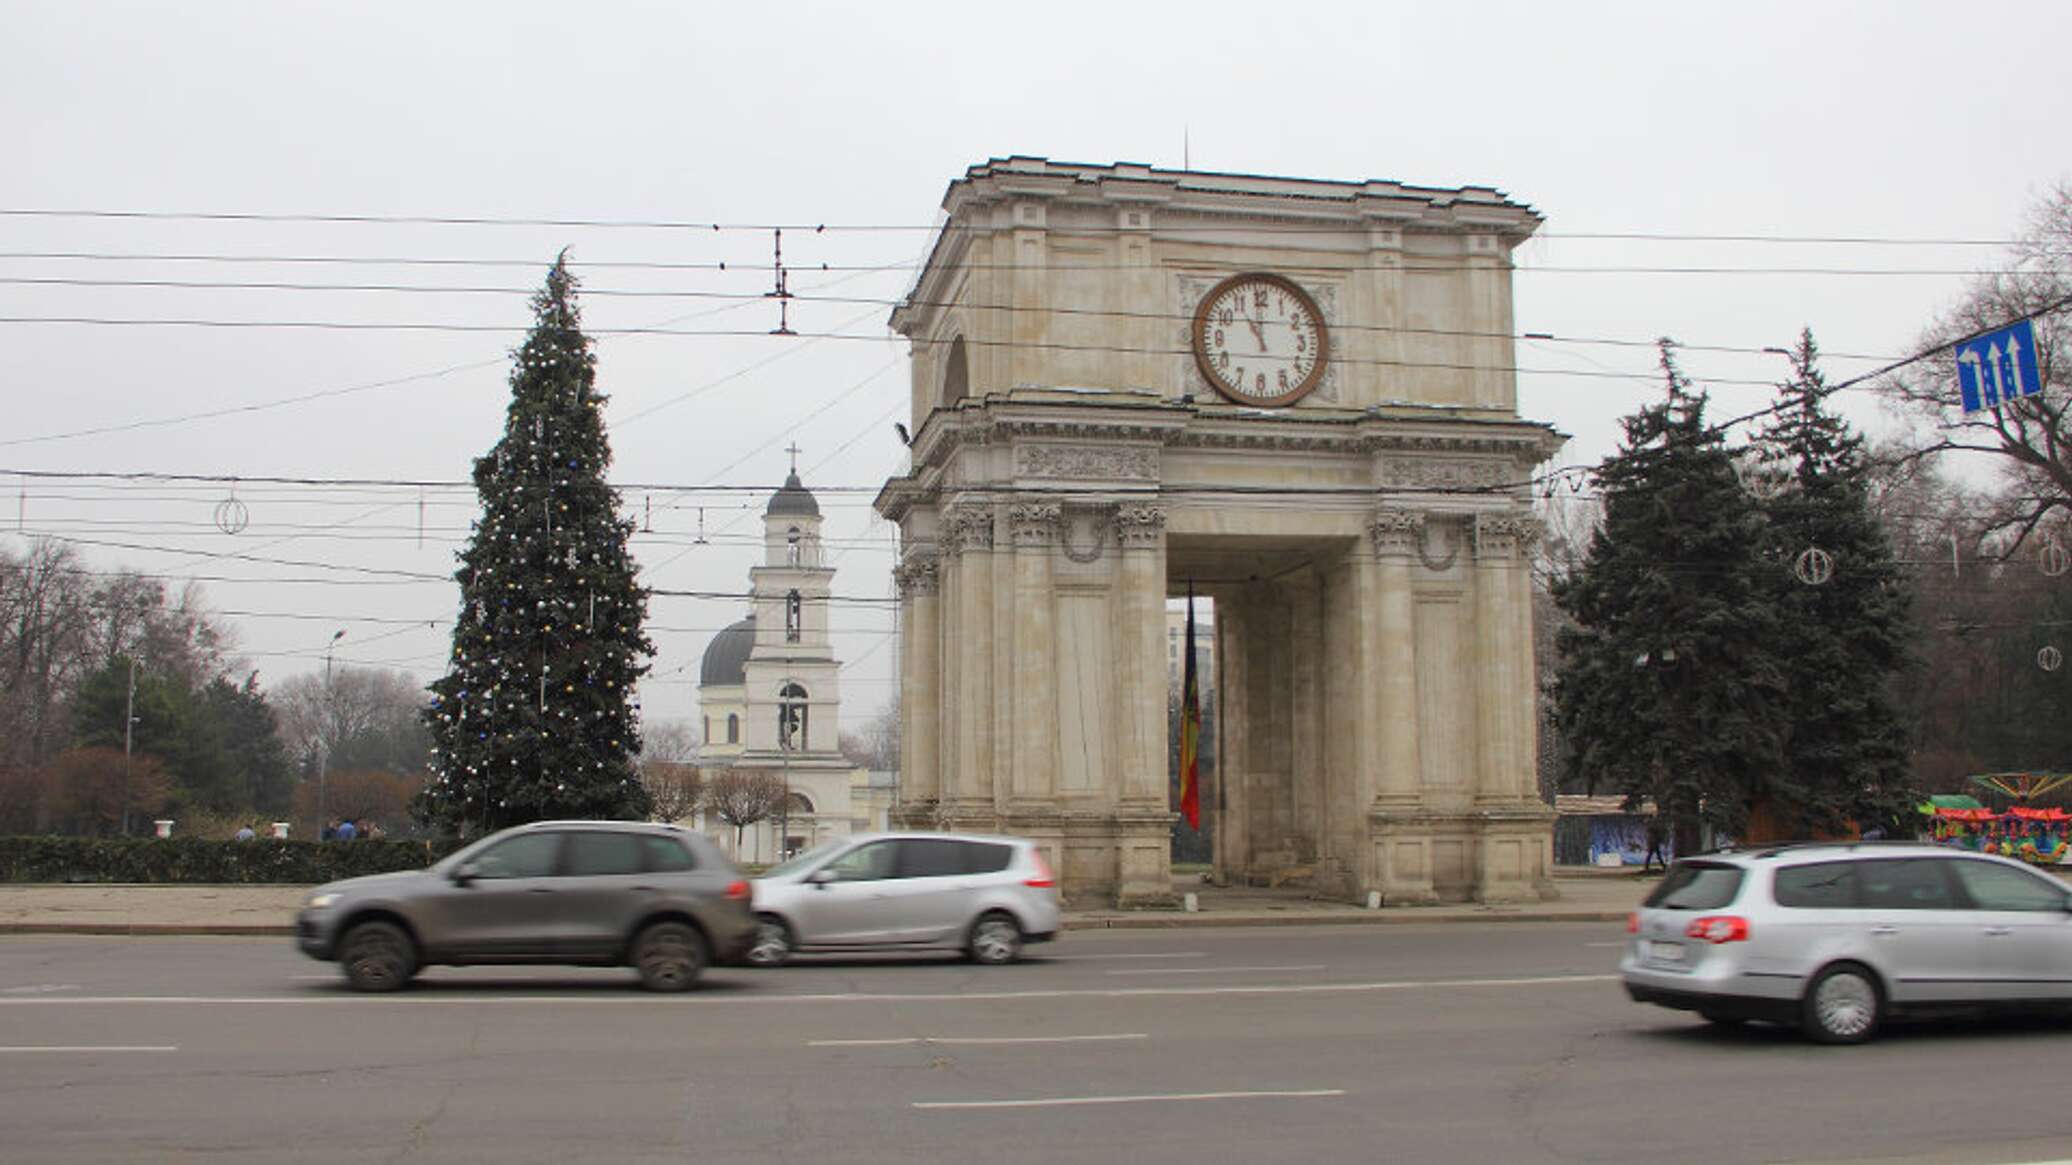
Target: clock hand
{"type": "Point", "coordinates": [1258, 333]}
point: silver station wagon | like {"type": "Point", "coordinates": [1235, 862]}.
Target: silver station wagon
{"type": "Point", "coordinates": [1836, 938]}
{"type": "Point", "coordinates": [982, 895]}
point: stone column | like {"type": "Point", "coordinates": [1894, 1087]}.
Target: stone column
{"type": "Point", "coordinates": [968, 792]}
{"type": "Point", "coordinates": [1392, 655]}
{"type": "Point", "coordinates": [920, 777]}
{"type": "Point", "coordinates": [1514, 849]}
{"type": "Point", "coordinates": [1034, 730]}
{"type": "Point", "coordinates": [1400, 824]}
{"type": "Point", "coordinates": [1143, 821]}
{"type": "Point", "coordinates": [1497, 660]}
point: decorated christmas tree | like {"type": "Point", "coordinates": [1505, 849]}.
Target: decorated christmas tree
{"type": "Point", "coordinates": [535, 717]}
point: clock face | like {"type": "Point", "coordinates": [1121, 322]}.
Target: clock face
{"type": "Point", "coordinates": [1260, 340]}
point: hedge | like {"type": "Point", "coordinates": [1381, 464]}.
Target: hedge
{"type": "Point", "coordinates": [192, 859]}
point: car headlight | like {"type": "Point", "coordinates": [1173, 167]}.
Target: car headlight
{"type": "Point", "coordinates": [319, 901]}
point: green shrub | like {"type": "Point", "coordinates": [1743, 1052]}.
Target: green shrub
{"type": "Point", "coordinates": [193, 859]}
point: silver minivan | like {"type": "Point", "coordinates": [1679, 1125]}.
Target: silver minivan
{"type": "Point", "coordinates": [983, 895]}
{"type": "Point", "coordinates": [1837, 937]}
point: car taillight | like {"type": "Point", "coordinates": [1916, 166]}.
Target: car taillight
{"type": "Point", "coordinates": [1042, 879]}
{"type": "Point", "coordinates": [737, 891]}
{"type": "Point", "coordinates": [1633, 923]}
{"type": "Point", "coordinates": [1718, 928]}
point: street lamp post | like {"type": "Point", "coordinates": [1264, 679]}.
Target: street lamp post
{"type": "Point", "coordinates": [129, 723]}
{"type": "Point", "coordinates": [323, 731]}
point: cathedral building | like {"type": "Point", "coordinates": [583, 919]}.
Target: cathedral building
{"type": "Point", "coordinates": [769, 694]}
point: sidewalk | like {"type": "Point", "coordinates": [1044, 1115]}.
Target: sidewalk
{"type": "Point", "coordinates": [1586, 896]}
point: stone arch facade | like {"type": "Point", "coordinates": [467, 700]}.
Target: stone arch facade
{"type": "Point", "coordinates": [1365, 544]}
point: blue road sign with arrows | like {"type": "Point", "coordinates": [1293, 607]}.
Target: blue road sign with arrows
{"type": "Point", "coordinates": [1998, 367]}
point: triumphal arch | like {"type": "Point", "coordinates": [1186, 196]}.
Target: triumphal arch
{"type": "Point", "coordinates": [1296, 397]}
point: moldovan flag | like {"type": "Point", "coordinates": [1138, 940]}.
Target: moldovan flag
{"type": "Point", "coordinates": [1190, 730]}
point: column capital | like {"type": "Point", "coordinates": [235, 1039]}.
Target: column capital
{"type": "Point", "coordinates": [918, 574]}
{"type": "Point", "coordinates": [1034, 524]}
{"type": "Point", "coordinates": [967, 527]}
{"type": "Point", "coordinates": [1397, 533]}
{"type": "Point", "coordinates": [1142, 525]}
{"type": "Point", "coordinates": [1505, 535]}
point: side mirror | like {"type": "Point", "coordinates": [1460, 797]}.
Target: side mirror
{"type": "Point", "coordinates": [464, 873]}
{"type": "Point", "coordinates": [820, 877]}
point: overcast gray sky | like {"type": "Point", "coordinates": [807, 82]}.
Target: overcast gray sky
{"type": "Point", "coordinates": [1895, 121]}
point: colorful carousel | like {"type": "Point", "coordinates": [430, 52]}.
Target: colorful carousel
{"type": "Point", "coordinates": [2038, 834]}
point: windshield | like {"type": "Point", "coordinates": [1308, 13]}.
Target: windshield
{"type": "Point", "coordinates": [1696, 886]}
{"type": "Point", "coordinates": [801, 861]}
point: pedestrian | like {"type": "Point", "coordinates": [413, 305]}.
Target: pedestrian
{"type": "Point", "coordinates": [373, 832]}
{"type": "Point", "coordinates": [329, 832]}
{"type": "Point", "coordinates": [1654, 854]}
{"type": "Point", "coordinates": [246, 832]}
{"type": "Point", "coordinates": [346, 832]}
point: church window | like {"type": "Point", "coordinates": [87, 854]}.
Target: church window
{"type": "Point", "coordinates": [793, 617]}
{"type": "Point", "coordinates": [956, 377]}
{"type": "Point", "coordinates": [733, 729]}
{"type": "Point", "coordinates": [791, 718]}
{"type": "Point", "coordinates": [791, 547]}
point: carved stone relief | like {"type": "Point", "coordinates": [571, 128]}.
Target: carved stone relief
{"type": "Point", "coordinates": [1142, 526]}
{"type": "Point", "coordinates": [1034, 523]}
{"type": "Point", "coordinates": [918, 574]}
{"type": "Point", "coordinates": [968, 527]}
{"type": "Point", "coordinates": [1398, 532]}
{"type": "Point", "coordinates": [1441, 474]}
{"type": "Point", "coordinates": [1505, 535]}
{"type": "Point", "coordinates": [1085, 463]}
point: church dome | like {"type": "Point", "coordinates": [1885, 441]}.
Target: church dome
{"type": "Point", "coordinates": [792, 500]}
{"type": "Point", "coordinates": [727, 655]}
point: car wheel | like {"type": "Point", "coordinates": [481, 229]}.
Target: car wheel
{"type": "Point", "coordinates": [773, 942]}
{"type": "Point", "coordinates": [377, 956]}
{"type": "Point", "coordinates": [1843, 1006]}
{"type": "Point", "coordinates": [995, 939]}
{"type": "Point", "coordinates": [669, 956]}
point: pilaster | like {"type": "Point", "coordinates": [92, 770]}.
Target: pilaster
{"type": "Point", "coordinates": [1033, 527]}
{"type": "Point", "coordinates": [918, 577]}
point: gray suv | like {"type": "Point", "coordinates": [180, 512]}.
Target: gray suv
{"type": "Point", "coordinates": [1836, 938]}
{"type": "Point", "coordinates": [982, 895]}
{"type": "Point", "coordinates": [605, 893]}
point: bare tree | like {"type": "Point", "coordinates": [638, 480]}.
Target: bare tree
{"type": "Point", "coordinates": [2030, 439]}
{"type": "Point", "coordinates": [876, 744]}
{"type": "Point", "coordinates": [362, 718]}
{"type": "Point", "coordinates": [742, 797]}
{"type": "Point", "coordinates": [669, 770]}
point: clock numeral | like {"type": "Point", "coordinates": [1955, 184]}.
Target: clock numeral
{"type": "Point", "coordinates": [1284, 379]}
{"type": "Point", "coordinates": [1301, 341]}
{"type": "Point", "coordinates": [1219, 337]}
{"type": "Point", "coordinates": [1259, 298]}
{"type": "Point", "coordinates": [1222, 359]}
{"type": "Point", "coordinates": [1226, 317]}
{"type": "Point", "coordinates": [1260, 383]}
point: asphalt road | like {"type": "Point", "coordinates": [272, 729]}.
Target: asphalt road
{"type": "Point", "coordinates": [1461, 1043]}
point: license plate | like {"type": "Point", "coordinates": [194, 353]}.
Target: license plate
{"type": "Point", "coordinates": [1666, 952]}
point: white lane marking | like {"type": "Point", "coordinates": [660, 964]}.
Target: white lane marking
{"type": "Point", "coordinates": [974, 1040]}
{"type": "Point", "coordinates": [40, 989]}
{"type": "Point", "coordinates": [1221, 970]}
{"type": "Point", "coordinates": [1081, 958]}
{"type": "Point", "coordinates": [641, 999]}
{"type": "Point", "coordinates": [1060, 1101]}
{"type": "Point", "coordinates": [101, 1048]}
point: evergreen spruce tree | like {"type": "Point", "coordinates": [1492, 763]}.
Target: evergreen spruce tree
{"type": "Point", "coordinates": [1665, 687]}
{"type": "Point", "coordinates": [535, 717]}
{"type": "Point", "coordinates": [1842, 639]}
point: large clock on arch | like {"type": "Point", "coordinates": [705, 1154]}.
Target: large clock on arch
{"type": "Point", "coordinates": [1260, 340]}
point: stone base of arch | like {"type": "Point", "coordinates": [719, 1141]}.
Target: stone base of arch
{"type": "Point", "coordinates": [1120, 858]}
{"type": "Point", "coordinates": [1494, 855]}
